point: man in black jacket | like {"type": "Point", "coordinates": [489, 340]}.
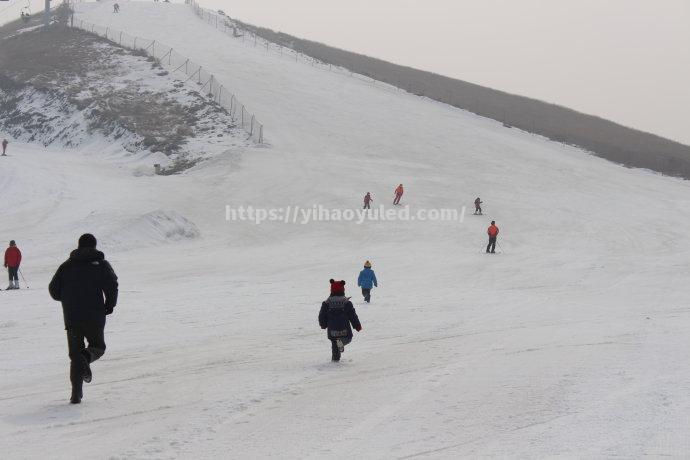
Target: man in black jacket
{"type": "Point", "coordinates": [336, 315]}
{"type": "Point", "coordinates": [87, 287]}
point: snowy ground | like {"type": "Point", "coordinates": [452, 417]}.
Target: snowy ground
{"type": "Point", "coordinates": [572, 343]}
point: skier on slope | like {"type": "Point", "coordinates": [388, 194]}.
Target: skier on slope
{"type": "Point", "coordinates": [13, 258]}
{"type": "Point", "coordinates": [492, 231]}
{"type": "Point", "coordinates": [478, 206]}
{"type": "Point", "coordinates": [398, 194]}
{"type": "Point", "coordinates": [336, 315]}
{"type": "Point", "coordinates": [87, 287]}
{"type": "Point", "coordinates": [4, 147]}
{"type": "Point", "coordinates": [367, 280]}
{"type": "Point", "coordinates": [367, 201]}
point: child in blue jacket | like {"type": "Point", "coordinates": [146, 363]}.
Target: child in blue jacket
{"type": "Point", "coordinates": [367, 280]}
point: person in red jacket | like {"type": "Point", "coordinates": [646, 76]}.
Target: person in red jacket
{"type": "Point", "coordinates": [398, 194]}
{"type": "Point", "coordinates": [13, 257]}
{"type": "Point", "coordinates": [493, 234]}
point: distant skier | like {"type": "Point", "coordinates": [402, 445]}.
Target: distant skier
{"type": "Point", "coordinates": [13, 258]}
{"type": "Point", "coordinates": [87, 287]}
{"type": "Point", "coordinates": [478, 206]}
{"type": "Point", "coordinates": [336, 315]}
{"type": "Point", "coordinates": [4, 147]}
{"type": "Point", "coordinates": [493, 234]}
{"type": "Point", "coordinates": [367, 201]}
{"type": "Point", "coordinates": [398, 194]}
{"type": "Point", "coordinates": [116, 8]}
{"type": "Point", "coordinates": [367, 280]}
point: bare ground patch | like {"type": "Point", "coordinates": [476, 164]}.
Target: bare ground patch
{"type": "Point", "coordinates": [47, 75]}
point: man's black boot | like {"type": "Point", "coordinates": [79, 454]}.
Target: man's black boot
{"type": "Point", "coordinates": [76, 396]}
{"type": "Point", "coordinates": [86, 370]}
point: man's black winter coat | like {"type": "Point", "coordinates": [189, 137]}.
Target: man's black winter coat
{"type": "Point", "coordinates": [87, 287]}
{"type": "Point", "coordinates": [337, 313]}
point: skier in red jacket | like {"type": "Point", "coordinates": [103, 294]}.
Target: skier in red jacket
{"type": "Point", "coordinates": [398, 194]}
{"type": "Point", "coordinates": [493, 234]}
{"type": "Point", "coordinates": [13, 258]}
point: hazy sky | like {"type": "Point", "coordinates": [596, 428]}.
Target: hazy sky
{"type": "Point", "coordinates": [626, 60]}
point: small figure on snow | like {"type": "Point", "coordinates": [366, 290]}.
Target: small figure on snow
{"type": "Point", "coordinates": [398, 194]}
{"type": "Point", "coordinates": [493, 234]}
{"type": "Point", "coordinates": [87, 287]}
{"type": "Point", "coordinates": [478, 206]}
{"type": "Point", "coordinates": [367, 201]}
{"type": "Point", "coordinates": [4, 147]}
{"type": "Point", "coordinates": [116, 8]}
{"type": "Point", "coordinates": [13, 258]}
{"type": "Point", "coordinates": [367, 280]}
{"type": "Point", "coordinates": [336, 315]}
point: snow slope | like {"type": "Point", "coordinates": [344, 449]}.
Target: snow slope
{"type": "Point", "coordinates": [571, 343]}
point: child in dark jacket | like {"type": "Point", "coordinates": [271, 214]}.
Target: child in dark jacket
{"type": "Point", "coordinates": [336, 315]}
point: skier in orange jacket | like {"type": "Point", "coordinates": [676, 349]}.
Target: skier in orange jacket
{"type": "Point", "coordinates": [398, 194]}
{"type": "Point", "coordinates": [493, 234]}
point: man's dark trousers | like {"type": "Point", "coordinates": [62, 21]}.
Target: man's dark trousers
{"type": "Point", "coordinates": [12, 271]}
{"type": "Point", "coordinates": [492, 244]}
{"type": "Point", "coordinates": [78, 352]}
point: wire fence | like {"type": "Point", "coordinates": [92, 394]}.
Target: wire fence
{"type": "Point", "coordinates": [226, 24]}
{"type": "Point", "coordinates": [176, 63]}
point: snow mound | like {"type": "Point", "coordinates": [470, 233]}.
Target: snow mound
{"type": "Point", "coordinates": [155, 227]}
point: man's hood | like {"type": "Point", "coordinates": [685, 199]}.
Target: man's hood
{"type": "Point", "coordinates": [86, 255]}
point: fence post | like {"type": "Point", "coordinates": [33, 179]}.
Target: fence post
{"type": "Point", "coordinates": [106, 32]}
{"type": "Point", "coordinates": [120, 38]}
{"type": "Point", "coordinates": [242, 117]}
{"type": "Point", "coordinates": [251, 127]}
{"type": "Point", "coordinates": [220, 91]}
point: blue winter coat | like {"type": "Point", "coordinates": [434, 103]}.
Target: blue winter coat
{"type": "Point", "coordinates": [367, 278]}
